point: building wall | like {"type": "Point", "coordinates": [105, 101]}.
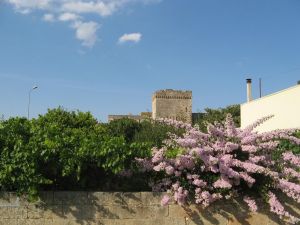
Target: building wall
{"type": "Point", "coordinates": [138, 118]}
{"type": "Point", "coordinates": [130, 208]}
{"type": "Point", "coordinates": [284, 105]}
{"type": "Point", "coordinates": [172, 104]}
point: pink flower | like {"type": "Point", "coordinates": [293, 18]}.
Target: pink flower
{"type": "Point", "coordinates": [214, 131]}
{"type": "Point", "coordinates": [187, 142]}
{"type": "Point", "coordinates": [256, 159]}
{"type": "Point", "coordinates": [250, 181]}
{"type": "Point", "coordinates": [291, 158]}
{"type": "Point", "coordinates": [177, 173]}
{"type": "Point", "coordinates": [251, 167]}
{"type": "Point", "coordinates": [158, 155]}
{"type": "Point", "coordinates": [160, 166]}
{"type": "Point", "coordinates": [277, 207]}
{"type": "Point", "coordinates": [176, 186]}
{"type": "Point", "coordinates": [251, 203]}
{"type": "Point", "coordinates": [232, 154]}
{"type": "Point", "coordinates": [180, 196]}
{"type": "Point", "coordinates": [165, 200]}
{"type": "Point", "coordinates": [199, 183]}
{"type": "Point", "coordinates": [291, 172]}
{"type": "Point", "coordinates": [268, 145]}
{"type": "Point", "coordinates": [290, 189]}
{"type": "Point", "coordinates": [145, 165]}
{"type": "Point", "coordinates": [249, 148]}
{"type": "Point", "coordinates": [169, 170]}
{"type": "Point", "coordinates": [229, 146]}
{"type": "Point", "coordinates": [230, 126]}
{"type": "Point", "coordinates": [223, 182]}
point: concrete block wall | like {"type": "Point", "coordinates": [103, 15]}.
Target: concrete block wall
{"type": "Point", "coordinates": [115, 208]}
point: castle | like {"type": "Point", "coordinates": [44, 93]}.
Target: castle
{"type": "Point", "coordinates": [169, 103]}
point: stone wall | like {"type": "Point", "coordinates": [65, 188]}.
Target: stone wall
{"type": "Point", "coordinates": [139, 208]}
{"type": "Point", "coordinates": [138, 118]}
{"type": "Point", "coordinates": [172, 104]}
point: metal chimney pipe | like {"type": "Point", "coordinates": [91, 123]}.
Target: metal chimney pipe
{"type": "Point", "coordinates": [249, 90]}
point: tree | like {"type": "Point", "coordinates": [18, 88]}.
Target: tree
{"type": "Point", "coordinates": [211, 116]}
{"type": "Point", "coordinates": [124, 127]}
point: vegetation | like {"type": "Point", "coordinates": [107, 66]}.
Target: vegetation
{"type": "Point", "coordinates": [71, 150]}
{"type": "Point", "coordinates": [64, 150]}
{"type": "Point", "coordinates": [227, 162]}
{"type": "Point", "coordinates": [210, 116]}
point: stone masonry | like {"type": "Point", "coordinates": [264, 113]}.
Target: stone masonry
{"type": "Point", "coordinates": [133, 208]}
{"type": "Point", "coordinates": [172, 104]}
{"type": "Point", "coordinates": [169, 103]}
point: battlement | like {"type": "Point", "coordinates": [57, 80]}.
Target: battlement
{"type": "Point", "coordinates": [168, 103]}
{"type": "Point", "coordinates": [172, 94]}
{"type": "Point", "coordinates": [172, 104]}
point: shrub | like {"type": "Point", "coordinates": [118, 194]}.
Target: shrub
{"type": "Point", "coordinates": [148, 131]}
{"type": "Point", "coordinates": [124, 127]}
{"type": "Point", "coordinates": [226, 162]}
{"type": "Point", "coordinates": [18, 167]}
{"type": "Point", "coordinates": [154, 133]}
{"type": "Point", "coordinates": [66, 151]}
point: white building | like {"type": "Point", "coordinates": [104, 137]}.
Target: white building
{"type": "Point", "coordinates": [284, 105]}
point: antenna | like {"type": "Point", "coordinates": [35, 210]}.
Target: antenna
{"type": "Point", "coordinates": [260, 87]}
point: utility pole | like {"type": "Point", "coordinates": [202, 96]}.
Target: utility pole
{"type": "Point", "coordinates": [29, 96]}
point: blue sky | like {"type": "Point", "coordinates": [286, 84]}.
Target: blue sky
{"type": "Point", "coordinates": [109, 56]}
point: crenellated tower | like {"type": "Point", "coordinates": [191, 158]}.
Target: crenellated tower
{"type": "Point", "coordinates": [172, 104]}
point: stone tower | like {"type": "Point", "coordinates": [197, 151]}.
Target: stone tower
{"type": "Point", "coordinates": [172, 104]}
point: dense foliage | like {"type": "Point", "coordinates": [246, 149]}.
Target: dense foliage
{"type": "Point", "coordinates": [71, 151]}
{"type": "Point", "coordinates": [227, 162]}
{"type": "Point", "coordinates": [210, 116]}
{"type": "Point", "coordinates": [64, 150]}
{"type": "Point", "coordinates": [149, 132]}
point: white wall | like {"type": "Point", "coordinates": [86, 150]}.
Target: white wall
{"type": "Point", "coordinates": [284, 105]}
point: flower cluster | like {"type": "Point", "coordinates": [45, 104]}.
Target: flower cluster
{"type": "Point", "coordinates": [225, 162]}
{"type": "Point", "coordinates": [251, 203]}
{"type": "Point", "coordinates": [277, 208]}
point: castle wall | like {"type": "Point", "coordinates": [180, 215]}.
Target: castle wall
{"type": "Point", "coordinates": [117, 117]}
{"type": "Point", "coordinates": [138, 118]}
{"type": "Point", "coordinates": [172, 104]}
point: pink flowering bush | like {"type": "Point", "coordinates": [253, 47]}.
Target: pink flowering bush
{"type": "Point", "coordinates": [226, 162]}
